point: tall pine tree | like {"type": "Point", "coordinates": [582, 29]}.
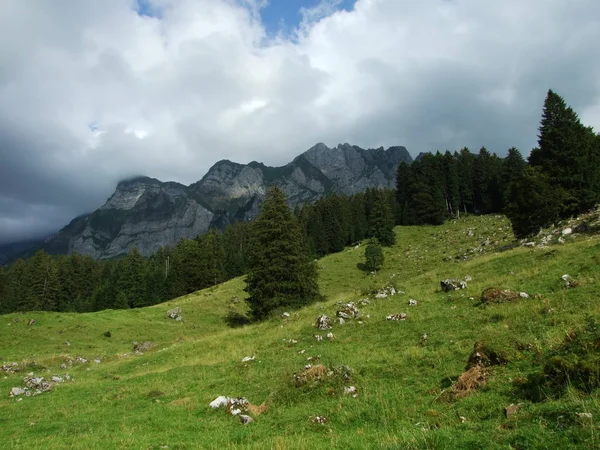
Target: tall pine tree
{"type": "Point", "coordinates": [281, 274]}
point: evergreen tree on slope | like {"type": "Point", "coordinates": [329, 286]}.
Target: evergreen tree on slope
{"type": "Point", "coordinates": [281, 274]}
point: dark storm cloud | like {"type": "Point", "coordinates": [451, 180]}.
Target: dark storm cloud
{"type": "Point", "coordinates": [92, 92]}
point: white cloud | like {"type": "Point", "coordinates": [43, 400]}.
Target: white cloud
{"type": "Point", "coordinates": [172, 94]}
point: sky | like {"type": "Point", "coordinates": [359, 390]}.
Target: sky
{"type": "Point", "coordinates": [94, 92]}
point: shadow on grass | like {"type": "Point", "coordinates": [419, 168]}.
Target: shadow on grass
{"type": "Point", "coordinates": [236, 320]}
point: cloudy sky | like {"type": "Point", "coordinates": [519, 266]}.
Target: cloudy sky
{"type": "Point", "coordinates": [95, 91]}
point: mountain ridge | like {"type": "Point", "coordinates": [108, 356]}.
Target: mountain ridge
{"type": "Point", "coordinates": [147, 213]}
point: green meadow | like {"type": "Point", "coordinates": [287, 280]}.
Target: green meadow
{"type": "Point", "coordinates": [160, 399]}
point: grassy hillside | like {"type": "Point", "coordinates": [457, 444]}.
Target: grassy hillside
{"type": "Point", "coordinates": [160, 399]}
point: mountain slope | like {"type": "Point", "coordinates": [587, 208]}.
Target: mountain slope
{"type": "Point", "coordinates": [161, 398]}
{"type": "Point", "coordinates": [148, 214]}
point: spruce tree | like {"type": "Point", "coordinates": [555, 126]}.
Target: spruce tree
{"type": "Point", "coordinates": [533, 202]}
{"type": "Point", "coordinates": [381, 219]}
{"type": "Point", "coordinates": [567, 155]}
{"type": "Point", "coordinates": [281, 274]}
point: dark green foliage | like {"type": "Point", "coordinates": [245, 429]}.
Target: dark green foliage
{"type": "Point", "coordinates": [281, 274]}
{"type": "Point", "coordinates": [567, 153]}
{"type": "Point", "coordinates": [575, 363]}
{"type": "Point", "coordinates": [373, 255]}
{"type": "Point", "coordinates": [381, 217]}
{"type": "Point", "coordinates": [533, 202]}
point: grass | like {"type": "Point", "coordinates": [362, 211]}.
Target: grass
{"type": "Point", "coordinates": [160, 398]}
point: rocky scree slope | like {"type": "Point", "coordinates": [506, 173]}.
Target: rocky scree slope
{"type": "Point", "coordinates": [148, 214]}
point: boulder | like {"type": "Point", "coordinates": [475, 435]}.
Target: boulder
{"type": "Point", "coordinates": [17, 391]}
{"type": "Point", "coordinates": [245, 420]}
{"type": "Point", "coordinates": [401, 316]}
{"type": "Point", "coordinates": [219, 402]}
{"type": "Point", "coordinates": [449, 285]}
{"type": "Point", "coordinates": [323, 322]}
{"type": "Point", "coordinates": [347, 311]}
{"type": "Point", "coordinates": [175, 314]}
{"type": "Point", "coordinates": [143, 347]}
{"type": "Point", "coordinates": [566, 231]}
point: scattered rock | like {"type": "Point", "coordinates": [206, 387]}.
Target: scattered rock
{"type": "Point", "coordinates": [63, 366]}
{"type": "Point", "coordinates": [16, 391]}
{"type": "Point", "coordinates": [248, 359]}
{"type": "Point", "coordinates": [236, 406]}
{"type": "Point", "coordinates": [245, 420]}
{"type": "Point", "coordinates": [424, 339]}
{"type": "Point", "coordinates": [319, 420]}
{"type": "Point", "coordinates": [462, 419]}
{"type": "Point", "coordinates": [385, 292]}
{"type": "Point", "coordinates": [340, 321]}
{"type": "Point", "coordinates": [175, 314]}
{"type": "Point", "coordinates": [566, 231]}
{"type": "Point", "coordinates": [452, 285]}
{"type": "Point", "coordinates": [560, 240]}
{"type": "Point", "coordinates": [523, 295]}
{"type": "Point", "coordinates": [401, 316]}
{"type": "Point", "coordinates": [330, 336]}
{"type": "Point", "coordinates": [323, 322]}
{"type": "Point", "coordinates": [143, 347]}
{"type": "Point", "coordinates": [81, 360]}
{"type": "Point", "coordinates": [468, 278]}
{"type": "Point", "coordinates": [67, 343]}
{"type": "Point", "coordinates": [585, 415]}
{"type": "Point", "coordinates": [412, 302]}
{"type": "Point", "coordinates": [470, 233]}
{"type": "Point", "coordinates": [364, 302]}
{"type": "Point", "coordinates": [511, 410]}
{"type": "Point", "coordinates": [292, 341]}
{"type": "Point", "coordinates": [31, 322]}
{"type": "Point", "coordinates": [10, 368]}
{"type": "Point", "coordinates": [219, 402]}
{"type": "Point", "coordinates": [569, 281]}
{"type": "Point", "coordinates": [285, 315]}
{"type": "Point", "coordinates": [318, 337]}
{"type": "Point", "coordinates": [529, 244]}
{"type": "Point", "coordinates": [351, 390]}
{"type": "Point", "coordinates": [347, 311]}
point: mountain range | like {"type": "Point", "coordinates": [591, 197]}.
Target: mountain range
{"type": "Point", "coordinates": [147, 213]}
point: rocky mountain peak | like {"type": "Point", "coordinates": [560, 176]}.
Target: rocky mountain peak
{"type": "Point", "coordinates": [146, 213]}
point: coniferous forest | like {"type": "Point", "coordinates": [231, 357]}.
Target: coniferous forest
{"type": "Point", "coordinates": [559, 179]}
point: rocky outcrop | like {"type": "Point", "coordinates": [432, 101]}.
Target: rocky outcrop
{"type": "Point", "coordinates": [147, 214]}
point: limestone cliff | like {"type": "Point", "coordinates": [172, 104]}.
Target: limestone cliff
{"type": "Point", "coordinates": [148, 214]}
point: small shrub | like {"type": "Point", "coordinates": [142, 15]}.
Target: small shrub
{"type": "Point", "coordinates": [373, 255]}
{"type": "Point", "coordinates": [108, 334]}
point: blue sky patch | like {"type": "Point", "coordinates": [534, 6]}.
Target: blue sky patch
{"type": "Point", "coordinates": [284, 15]}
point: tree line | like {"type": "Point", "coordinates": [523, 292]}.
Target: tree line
{"type": "Point", "coordinates": [81, 284]}
{"type": "Point", "coordinates": [560, 178]}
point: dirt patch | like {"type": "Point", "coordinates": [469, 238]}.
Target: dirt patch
{"type": "Point", "coordinates": [469, 381]}
{"type": "Point", "coordinates": [495, 295]}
